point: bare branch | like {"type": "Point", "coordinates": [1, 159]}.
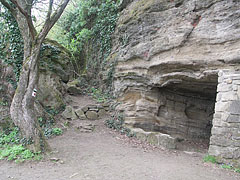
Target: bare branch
{"type": "Point", "coordinates": [49, 9]}
{"type": "Point", "coordinates": [49, 23]}
{"type": "Point", "coordinates": [9, 7]}
{"type": "Point", "coordinates": [28, 18]}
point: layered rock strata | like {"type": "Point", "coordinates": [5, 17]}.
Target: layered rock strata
{"type": "Point", "coordinates": [168, 55]}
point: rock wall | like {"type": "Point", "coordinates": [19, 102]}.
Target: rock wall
{"type": "Point", "coordinates": [225, 139]}
{"type": "Point", "coordinates": [168, 55]}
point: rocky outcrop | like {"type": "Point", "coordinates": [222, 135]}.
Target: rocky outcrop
{"type": "Point", "coordinates": [168, 55]}
{"type": "Point", "coordinates": [54, 72]}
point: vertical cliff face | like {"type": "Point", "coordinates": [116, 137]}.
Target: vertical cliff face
{"type": "Point", "coordinates": [168, 55]}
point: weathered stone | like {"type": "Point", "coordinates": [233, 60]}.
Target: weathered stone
{"type": "Point", "coordinates": [152, 138]}
{"type": "Point", "coordinates": [85, 109]}
{"type": "Point", "coordinates": [85, 127]}
{"type": "Point", "coordinates": [92, 115]}
{"type": "Point", "coordinates": [221, 141]}
{"type": "Point", "coordinates": [234, 107]}
{"type": "Point", "coordinates": [224, 152]}
{"type": "Point", "coordinates": [222, 106]}
{"type": "Point", "coordinates": [73, 90]}
{"type": "Point", "coordinates": [140, 134]}
{"type": "Point", "coordinates": [100, 107]}
{"type": "Point", "coordinates": [69, 113]}
{"type": "Point", "coordinates": [107, 109]}
{"type": "Point", "coordinates": [166, 141]}
{"type": "Point", "coordinates": [229, 96]}
{"type": "Point", "coordinates": [228, 81]}
{"type": "Point", "coordinates": [224, 87]}
{"type": "Point", "coordinates": [182, 68]}
{"type": "Point", "coordinates": [105, 104]}
{"type": "Point", "coordinates": [102, 113]}
{"type": "Point", "coordinates": [50, 90]}
{"type": "Point", "coordinates": [235, 88]}
{"type": "Point", "coordinates": [80, 114]}
{"type": "Point", "coordinates": [237, 82]}
{"type": "Point", "coordinates": [233, 119]}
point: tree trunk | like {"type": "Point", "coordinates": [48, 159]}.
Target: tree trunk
{"type": "Point", "coordinates": [22, 107]}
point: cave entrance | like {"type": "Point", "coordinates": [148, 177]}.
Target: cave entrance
{"type": "Point", "coordinates": [186, 111]}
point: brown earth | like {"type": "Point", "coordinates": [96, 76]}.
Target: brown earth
{"type": "Point", "coordinates": [103, 154]}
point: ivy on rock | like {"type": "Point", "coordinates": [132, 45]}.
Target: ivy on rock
{"type": "Point", "coordinates": [11, 44]}
{"type": "Point", "coordinates": [88, 30]}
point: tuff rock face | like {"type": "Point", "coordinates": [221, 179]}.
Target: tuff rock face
{"type": "Point", "coordinates": [168, 54]}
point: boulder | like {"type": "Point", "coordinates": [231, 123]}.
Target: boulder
{"type": "Point", "coordinates": [92, 115]}
{"type": "Point", "coordinates": [50, 90]}
{"type": "Point", "coordinates": [69, 113]}
{"type": "Point", "coordinates": [155, 138]}
{"type": "Point", "coordinates": [80, 113]}
{"type": "Point", "coordinates": [72, 87]}
{"type": "Point", "coordinates": [102, 113]}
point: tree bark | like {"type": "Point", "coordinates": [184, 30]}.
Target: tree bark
{"type": "Point", "coordinates": [22, 107]}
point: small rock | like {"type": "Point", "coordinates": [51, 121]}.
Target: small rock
{"type": "Point", "coordinates": [92, 115]}
{"type": "Point", "coordinates": [105, 105]}
{"type": "Point", "coordinates": [86, 128]}
{"type": "Point", "coordinates": [54, 159]}
{"type": "Point", "coordinates": [69, 113]}
{"type": "Point", "coordinates": [102, 113]}
{"type": "Point", "coordinates": [85, 109]}
{"type": "Point", "coordinates": [73, 90]}
{"type": "Point", "coordinates": [80, 114]}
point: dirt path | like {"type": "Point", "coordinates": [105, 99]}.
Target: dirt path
{"type": "Point", "coordinates": [106, 155]}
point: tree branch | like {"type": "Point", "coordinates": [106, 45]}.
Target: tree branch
{"type": "Point", "coordinates": [9, 7]}
{"type": "Point", "coordinates": [28, 18]}
{"type": "Point", "coordinates": [49, 23]}
{"type": "Point", "coordinates": [49, 9]}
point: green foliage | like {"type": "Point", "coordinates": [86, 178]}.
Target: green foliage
{"type": "Point", "coordinates": [230, 167]}
{"type": "Point", "coordinates": [212, 159]}
{"type": "Point", "coordinates": [47, 126]}
{"type": "Point", "coordinates": [47, 123]}
{"type": "Point", "coordinates": [48, 55]}
{"type": "Point", "coordinates": [209, 158]}
{"type": "Point", "coordinates": [11, 147]}
{"type": "Point", "coordinates": [10, 136]}
{"type": "Point", "coordinates": [98, 95]}
{"type": "Point", "coordinates": [88, 28]}
{"type": "Point", "coordinates": [3, 103]}
{"type": "Point", "coordinates": [57, 131]}
{"type": "Point", "coordinates": [11, 44]}
{"type": "Point", "coordinates": [237, 170]}
{"type": "Point", "coordinates": [226, 166]}
{"type": "Point", "coordinates": [116, 123]}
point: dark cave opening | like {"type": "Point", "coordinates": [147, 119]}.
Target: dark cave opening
{"type": "Point", "coordinates": [185, 112]}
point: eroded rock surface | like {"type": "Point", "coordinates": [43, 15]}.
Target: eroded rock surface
{"type": "Point", "coordinates": [168, 54]}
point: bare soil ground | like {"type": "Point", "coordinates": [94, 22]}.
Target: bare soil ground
{"type": "Point", "coordinates": [104, 154]}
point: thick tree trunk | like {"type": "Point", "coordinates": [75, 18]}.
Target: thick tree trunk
{"type": "Point", "coordinates": [22, 107]}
